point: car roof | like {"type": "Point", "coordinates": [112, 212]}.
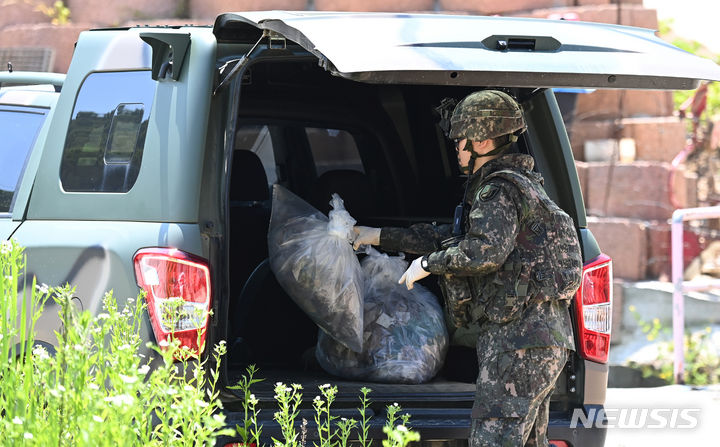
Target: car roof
{"type": "Point", "coordinates": [30, 89]}
{"type": "Point", "coordinates": [477, 50]}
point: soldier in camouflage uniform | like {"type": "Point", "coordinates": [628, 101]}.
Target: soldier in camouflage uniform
{"type": "Point", "coordinates": [507, 279]}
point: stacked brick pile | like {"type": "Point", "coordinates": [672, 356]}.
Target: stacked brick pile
{"type": "Point", "coordinates": [628, 203]}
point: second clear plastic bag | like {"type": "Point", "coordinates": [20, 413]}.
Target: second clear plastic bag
{"type": "Point", "coordinates": [405, 338]}
{"type": "Point", "coordinates": [313, 260]}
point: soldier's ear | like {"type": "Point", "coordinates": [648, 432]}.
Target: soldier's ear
{"type": "Point", "coordinates": [483, 146]}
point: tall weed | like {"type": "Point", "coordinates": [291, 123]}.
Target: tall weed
{"type": "Point", "coordinates": [96, 388]}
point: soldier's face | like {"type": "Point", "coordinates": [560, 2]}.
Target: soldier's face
{"type": "Point", "coordinates": [464, 154]}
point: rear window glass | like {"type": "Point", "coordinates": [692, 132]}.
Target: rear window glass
{"type": "Point", "coordinates": [18, 128]}
{"type": "Point", "coordinates": [106, 135]}
{"type": "Point", "coordinates": [333, 149]}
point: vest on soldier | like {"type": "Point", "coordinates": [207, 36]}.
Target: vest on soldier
{"type": "Point", "coordinates": [546, 262]}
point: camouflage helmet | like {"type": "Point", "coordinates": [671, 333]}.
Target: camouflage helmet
{"type": "Point", "coordinates": [486, 114]}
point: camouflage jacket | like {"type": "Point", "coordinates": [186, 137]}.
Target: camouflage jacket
{"type": "Point", "coordinates": [490, 276]}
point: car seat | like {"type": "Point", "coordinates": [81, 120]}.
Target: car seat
{"type": "Point", "coordinates": [249, 215]}
{"type": "Point", "coordinates": [353, 187]}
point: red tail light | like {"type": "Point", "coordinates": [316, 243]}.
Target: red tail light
{"type": "Point", "coordinates": [594, 309]}
{"type": "Point", "coordinates": [177, 287]}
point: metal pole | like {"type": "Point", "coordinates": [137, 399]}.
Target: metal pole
{"type": "Point", "coordinates": [678, 303]}
{"type": "Point", "coordinates": [678, 217]}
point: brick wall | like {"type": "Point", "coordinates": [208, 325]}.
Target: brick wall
{"type": "Point", "coordinates": [635, 193]}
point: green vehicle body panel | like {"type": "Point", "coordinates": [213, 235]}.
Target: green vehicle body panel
{"type": "Point", "coordinates": [168, 185]}
{"type": "Point", "coordinates": [42, 101]}
{"type": "Point", "coordinates": [95, 257]}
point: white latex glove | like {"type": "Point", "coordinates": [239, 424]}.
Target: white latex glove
{"type": "Point", "coordinates": [366, 236]}
{"type": "Point", "coordinates": [414, 273]}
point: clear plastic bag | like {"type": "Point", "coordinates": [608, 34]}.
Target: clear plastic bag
{"type": "Point", "coordinates": [313, 260]}
{"type": "Point", "coordinates": [405, 338]}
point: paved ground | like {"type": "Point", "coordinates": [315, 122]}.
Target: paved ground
{"type": "Point", "coordinates": [688, 406]}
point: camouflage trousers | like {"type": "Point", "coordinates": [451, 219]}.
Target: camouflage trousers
{"type": "Point", "coordinates": [513, 396]}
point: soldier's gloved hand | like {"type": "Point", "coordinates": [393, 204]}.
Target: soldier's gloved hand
{"type": "Point", "coordinates": [366, 236]}
{"type": "Point", "coordinates": [414, 273]}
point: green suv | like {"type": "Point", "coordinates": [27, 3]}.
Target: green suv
{"type": "Point", "coordinates": [154, 171]}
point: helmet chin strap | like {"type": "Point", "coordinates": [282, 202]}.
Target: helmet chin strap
{"type": "Point", "coordinates": [467, 170]}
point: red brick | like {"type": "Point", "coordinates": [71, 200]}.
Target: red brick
{"type": "Point", "coordinates": [580, 131]}
{"type": "Point", "coordinates": [656, 138]}
{"type": "Point", "coordinates": [581, 168]}
{"type": "Point", "coordinates": [605, 104]}
{"type": "Point", "coordinates": [633, 190]}
{"type": "Point", "coordinates": [209, 9]}
{"type": "Point", "coordinates": [61, 38]}
{"type": "Point", "coordinates": [593, 2]}
{"type": "Point", "coordinates": [632, 15]}
{"type": "Point", "coordinates": [375, 5]}
{"type": "Point", "coordinates": [19, 12]}
{"type": "Point", "coordinates": [487, 7]}
{"type": "Point", "coordinates": [625, 241]}
{"type": "Point", "coordinates": [695, 240]}
{"type": "Point", "coordinates": [104, 12]}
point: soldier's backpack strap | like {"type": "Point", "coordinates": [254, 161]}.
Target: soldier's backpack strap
{"type": "Point", "coordinates": [559, 276]}
{"type": "Point", "coordinates": [523, 183]}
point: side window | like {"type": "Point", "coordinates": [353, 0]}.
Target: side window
{"type": "Point", "coordinates": [333, 149]}
{"type": "Point", "coordinates": [106, 136]}
{"type": "Point", "coordinates": [18, 128]}
{"type": "Point", "coordinates": [257, 139]}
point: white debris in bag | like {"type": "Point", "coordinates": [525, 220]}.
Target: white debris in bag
{"type": "Point", "coordinates": [313, 260]}
{"type": "Point", "coordinates": [405, 338]}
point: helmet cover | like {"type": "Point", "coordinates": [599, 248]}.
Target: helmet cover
{"type": "Point", "coordinates": [486, 114]}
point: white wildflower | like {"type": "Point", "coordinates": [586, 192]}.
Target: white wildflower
{"type": "Point", "coordinates": [144, 369]}
{"type": "Point", "coordinates": [188, 388]}
{"type": "Point", "coordinates": [402, 428]}
{"type": "Point", "coordinates": [5, 247]}
{"type": "Point", "coordinates": [164, 343]}
{"type": "Point", "coordinates": [171, 391]}
{"type": "Point", "coordinates": [17, 421]}
{"type": "Point", "coordinates": [42, 288]}
{"type": "Point", "coordinates": [79, 348]}
{"type": "Point", "coordinates": [201, 403]}
{"type": "Point", "coordinates": [103, 316]}
{"type": "Point", "coordinates": [128, 379]}
{"type": "Point", "coordinates": [61, 388]}
{"type": "Point", "coordinates": [131, 300]}
{"type": "Point", "coordinates": [120, 399]}
{"type": "Point", "coordinates": [93, 386]}
{"type": "Point", "coordinates": [323, 386]}
{"type": "Point", "coordinates": [28, 435]}
{"type": "Point", "coordinates": [123, 347]}
{"type": "Point", "coordinates": [97, 418]}
{"type": "Point", "coordinates": [38, 351]}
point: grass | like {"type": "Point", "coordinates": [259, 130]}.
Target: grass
{"type": "Point", "coordinates": [98, 388]}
